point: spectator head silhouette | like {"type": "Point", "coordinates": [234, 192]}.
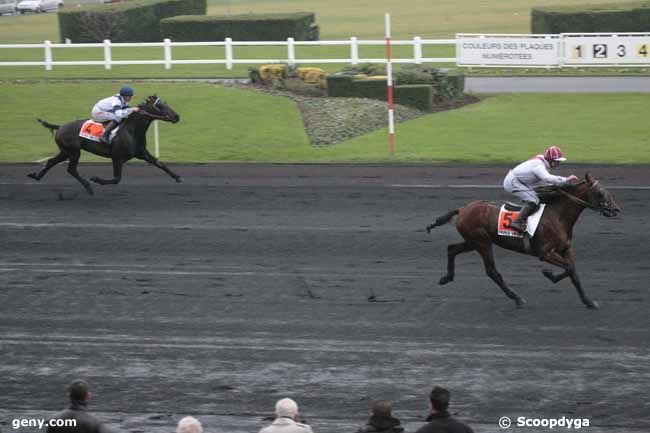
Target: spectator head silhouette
{"type": "Point", "coordinates": [189, 424]}
{"type": "Point", "coordinates": [439, 399]}
{"type": "Point", "coordinates": [286, 408]}
{"type": "Point", "coordinates": [78, 390]}
{"type": "Point", "coordinates": [382, 408]}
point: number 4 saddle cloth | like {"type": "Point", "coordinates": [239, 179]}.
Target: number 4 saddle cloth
{"type": "Point", "coordinates": [509, 213]}
{"type": "Point", "coordinates": [92, 130]}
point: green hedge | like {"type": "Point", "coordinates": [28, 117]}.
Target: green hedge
{"type": "Point", "coordinates": [133, 21]}
{"type": "Point", "coordinates": [419, 96]}
{"type": "Point", "coordinates": [616, 17]}
{"type": "Point", "coordinates": [249, 27]}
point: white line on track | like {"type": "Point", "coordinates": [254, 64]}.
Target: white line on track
{"type": "Point", "coordinates": [265, 273]}
{"type": "Point", "coordinates": [462, 186]}
{"type": "Point", "coordinates": [394, 185]}
{"type": "Point", "coordinates": [188, 227]}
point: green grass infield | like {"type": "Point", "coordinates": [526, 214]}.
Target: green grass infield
{"type": "Point", "coordinates": [228, 124]}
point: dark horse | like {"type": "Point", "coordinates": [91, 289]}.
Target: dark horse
{"type": "Point", "coordinates": [477, 224]}
{"type": "Point", "coordinates": [129, 142]}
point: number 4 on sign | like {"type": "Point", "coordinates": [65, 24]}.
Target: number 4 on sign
{"type": "Point", "coordinates": [642, 50]}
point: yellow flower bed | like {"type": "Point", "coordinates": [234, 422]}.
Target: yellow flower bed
{"type": "Point", "coordinates": [269, 73]}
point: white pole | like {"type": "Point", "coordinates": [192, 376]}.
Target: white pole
{"type": "Point", "coordinates": [228, 53]}
{"type": "Point", "coordinates": [417, 50]}
{"type": "Point", "coordinates": [107, 54]}
{"type": "Point", "coordinates": [389, 82]}
{"type": "Point", "coordinates": [291, 48]}
{"type": "Point", "coordinates": [156, 152]}
{"type": "Point", "coordinates": [168, 53]}
{"type": "Point", "coordinates": [48, 55]}
{"type": "Point", "coordinates": [354, 51]}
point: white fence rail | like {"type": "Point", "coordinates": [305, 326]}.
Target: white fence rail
{"type": "Point", "coordinates": [229, 60]}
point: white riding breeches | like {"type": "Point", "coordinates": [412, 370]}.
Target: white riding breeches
{"type": "Point", "coordinates": [103, 116]}
{"type": "Point", "coordinates": [522, 191]}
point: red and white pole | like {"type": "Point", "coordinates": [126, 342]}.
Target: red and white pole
{"type": "Point", "coordinates": [389, 82]}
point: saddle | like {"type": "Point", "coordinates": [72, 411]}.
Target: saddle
{"type": "Point", "coordinates": [92, 130]}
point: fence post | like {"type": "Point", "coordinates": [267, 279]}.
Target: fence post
{"type": "Point", "coordinates": [48, 55]}
{"type": "Point", "coordinates": [354, 51]}
{"type": "Point", "coordinates": [168, 53]}
{"type": "Point", "coordinates": [291, 48]}
{"type": "Point", "coordinates": [228, 53]}
{"type": "Point", "coordinates": [107, 54]}
{"type": "Point", "coordinates": [417, 50]}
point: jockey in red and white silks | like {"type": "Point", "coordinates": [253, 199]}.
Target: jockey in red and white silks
{"type": "Point", "coordinates": [524, 178]}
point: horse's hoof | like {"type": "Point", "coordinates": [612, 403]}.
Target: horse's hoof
{"type": "Point", "coordinates": [444, 280]}
{"type": "Point", "coordinates": [520, 302]}
{"type": "Point", "coordinates": [34, 176]}
{"type": "Point", "coordinates": [592, 305]}
{"type": "Point", "coordinates": [178, 179]}
{"type": "Point", "coordinates": [549, 274]}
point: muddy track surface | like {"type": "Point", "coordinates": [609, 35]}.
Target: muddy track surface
{"type": "Point", "coordinates": [249, 283]}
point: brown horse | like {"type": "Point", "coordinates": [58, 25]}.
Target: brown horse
{"type": "Point", "coordinates": [477, 224]}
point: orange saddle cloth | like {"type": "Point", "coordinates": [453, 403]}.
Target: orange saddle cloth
{"type": "Point", "coordinates": [92, 130]}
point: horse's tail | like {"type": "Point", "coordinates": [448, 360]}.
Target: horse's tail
{"type": "Point", "coordinates": [443, 219]}
{"type": "Point", "coordinates": [49, 125]}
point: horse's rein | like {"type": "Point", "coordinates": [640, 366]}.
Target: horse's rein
{"type": "Point", "coordinates": [153, 116]}
{"type": "Point", "coordinates": [578, 200]}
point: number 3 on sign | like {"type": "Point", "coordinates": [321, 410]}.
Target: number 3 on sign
{"type": "Point", "coordinates": [642, 50]}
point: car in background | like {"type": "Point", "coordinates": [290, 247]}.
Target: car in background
{"type": "Point", "coordinates": [7, 7]}
{"type": "Point", "coordinates": [37, 6]}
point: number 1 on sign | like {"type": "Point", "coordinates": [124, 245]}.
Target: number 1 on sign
{"type": "Point", "coordinates": [577, 52]}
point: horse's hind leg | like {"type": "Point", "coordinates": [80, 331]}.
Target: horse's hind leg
{"type": "Point", "coordinates": [452, 251]}
{"type": "Point", "coordinates": [490, 268]}
{"type": "Point", "coordinates": [72, 169]}
{"type": "Point", "coordinates": [48, 165]}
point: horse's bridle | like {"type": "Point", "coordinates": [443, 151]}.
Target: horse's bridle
{"type": "Point", "coordinates": [582, 202]}
{"type": "Point", "coordinates": [154, 116]}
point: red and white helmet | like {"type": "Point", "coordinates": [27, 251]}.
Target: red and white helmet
{"type": "Point", "coordinates": [554, 153]}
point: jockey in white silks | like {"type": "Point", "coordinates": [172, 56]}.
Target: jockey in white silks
{"type": "Point", "coordinates": [113, 110]}
{"type": "Point", "coordinates": [524, 178]}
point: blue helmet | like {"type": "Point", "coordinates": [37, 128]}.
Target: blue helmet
{"type": "Point", "coordinates": [126, 91]}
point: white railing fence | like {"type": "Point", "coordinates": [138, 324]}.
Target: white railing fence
{"type": "Point", "coordinates": [229, 60]}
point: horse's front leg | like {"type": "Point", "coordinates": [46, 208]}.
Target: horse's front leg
{"type": "Point", "coordinates": [117, 174]}
{"type": "Point", "coordinates": [146, 156]}
{"type": "Point", "coordinates": [567, 261]}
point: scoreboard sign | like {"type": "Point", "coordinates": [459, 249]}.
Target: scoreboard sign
{"type": "Point", "coordinates": [591, 49]}
{"type": "Point", "coordinates": [507, 50]}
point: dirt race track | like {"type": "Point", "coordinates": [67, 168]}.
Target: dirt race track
{"type": "Point", "coordinates": [246, 283]}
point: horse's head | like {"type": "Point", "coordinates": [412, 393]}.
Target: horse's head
{"type": "Point", "coordinates": [155, 107]}
{"type": "Point", "coordinates": [599, 198]}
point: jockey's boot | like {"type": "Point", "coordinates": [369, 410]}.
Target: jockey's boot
{"type": "Point", "coordinates": [527, 210]}
{"type": "Point", "coordinates": [107, 131]}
